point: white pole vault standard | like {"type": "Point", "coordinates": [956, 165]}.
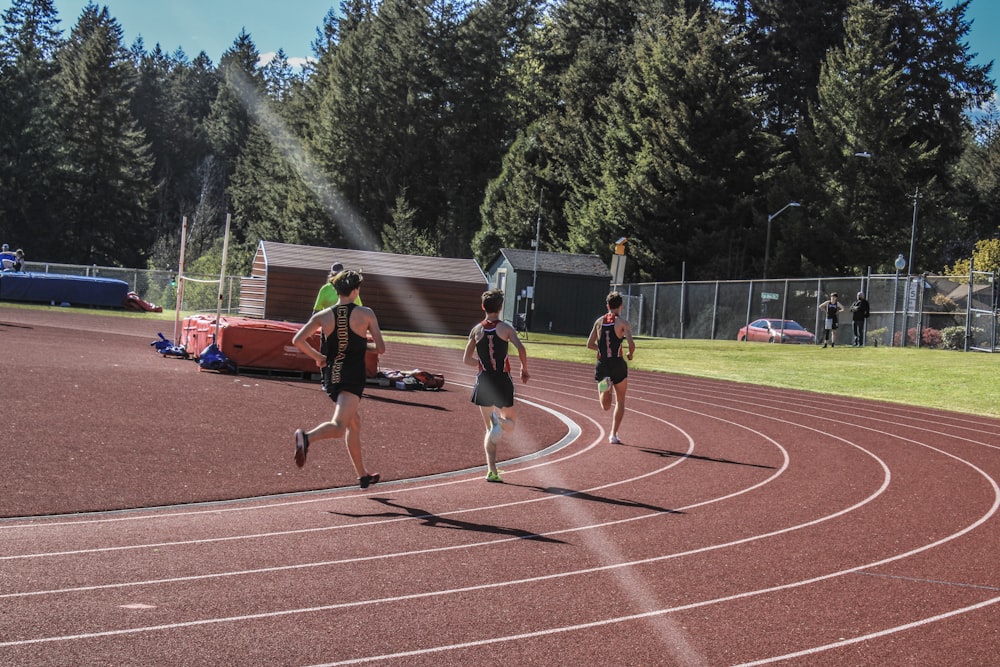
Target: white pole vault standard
{"type": "Point", "coordinates": [180, 282]}
{"type": "Point", "coordinates": [222, 278]}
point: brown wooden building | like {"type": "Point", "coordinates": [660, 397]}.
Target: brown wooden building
{"type": "Point", "coordinates": [407, 292]}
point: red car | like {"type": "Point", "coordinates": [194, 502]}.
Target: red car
{"type": "Point", "coordinates": [776, 331]}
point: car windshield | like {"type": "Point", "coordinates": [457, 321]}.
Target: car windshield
{"type": "Point", "coordinates": [788, 324]}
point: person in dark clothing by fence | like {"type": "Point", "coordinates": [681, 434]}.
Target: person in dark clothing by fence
{"type": "Point", "coordinates": [860, 310]}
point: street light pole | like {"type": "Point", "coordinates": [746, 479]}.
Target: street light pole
{"type": "Point", "coordinates": [537, 242]}
{"type": "Point", "coordinates": [913, 229]}
{"type": "Point", "coordinates": [900, 264]}
{"type": "Point", "coordinates": [767, 243]}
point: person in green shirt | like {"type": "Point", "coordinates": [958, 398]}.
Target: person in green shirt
{"type": "Point", "coordinates": [327, 295]}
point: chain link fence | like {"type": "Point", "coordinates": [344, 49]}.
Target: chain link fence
{"type": "Point", "coordinates": [932, 311]}
{"type": "Point", "coordinates": [928, 310]}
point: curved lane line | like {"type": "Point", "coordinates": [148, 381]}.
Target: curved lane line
{"type": "Point", "coordinates": [969, 528]}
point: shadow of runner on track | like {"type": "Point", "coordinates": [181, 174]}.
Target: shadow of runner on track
{"type": "Point", "coordinates": [582, 495]}
{"type": "Point", "coordinates": [435, 521]}
{"type": "Point", "coordinates": [396, 401]}
{"type": "Point", "coordinates": [665, 453]}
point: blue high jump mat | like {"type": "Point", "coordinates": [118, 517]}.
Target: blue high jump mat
{"type": "Point", "coordinates": [61, 289]}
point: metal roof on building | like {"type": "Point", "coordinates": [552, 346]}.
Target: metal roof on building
{"type": "Point", "coordinates": [311, 258]}
{"type": "Point", "coordinates": [557, 262]}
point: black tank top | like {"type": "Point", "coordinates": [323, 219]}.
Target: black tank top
{"type": "Point", "coordinates": [609, 343]}
{"type": "Point", "coordinates": [492, 350]}
{"type": "Point", "coordinates": [345, 350]}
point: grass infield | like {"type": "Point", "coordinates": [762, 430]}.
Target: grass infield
{"type": "Point", "coordinates": [966, 382]}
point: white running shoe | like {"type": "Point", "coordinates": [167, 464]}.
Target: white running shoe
{"type": "Point", "coordinates": [613, 439]}
{"type": "Point", "coordinates": [604, 385]}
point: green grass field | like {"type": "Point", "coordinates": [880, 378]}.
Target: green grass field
{"type": "Point", "coordinates": [962, 381]}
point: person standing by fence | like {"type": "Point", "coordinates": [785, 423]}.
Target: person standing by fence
{"type": "Point", "coordinates": [860, 310]}
{"type": "Point", "coordinates": [831, 309]}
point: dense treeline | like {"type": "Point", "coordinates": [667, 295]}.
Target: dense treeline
{"type": "Point", "coordinates": [457, 127]}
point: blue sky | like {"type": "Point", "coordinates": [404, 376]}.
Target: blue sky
{"type": "Point", "coordinates": [212, 25]}
{"type": "Point", "coordinates": [985, 16]}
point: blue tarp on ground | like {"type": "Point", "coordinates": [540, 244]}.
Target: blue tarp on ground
{"type": "Point", "coordinates": [57, 288]}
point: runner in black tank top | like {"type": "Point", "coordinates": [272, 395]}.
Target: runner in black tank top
{"type": "Point", "coordinates": [487, 349]}
{"type": "Point", "coordinates": [347, 327]}
{"type": "Point", "coordinates": [608, 334]}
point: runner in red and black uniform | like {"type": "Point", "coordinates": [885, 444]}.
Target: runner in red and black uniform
{"type": "Point", "coordinates": [607, 336]}
{"type": "Point", "coordinates": [494, 391]}
{"type": "Point", "coordinates": [346, 327]}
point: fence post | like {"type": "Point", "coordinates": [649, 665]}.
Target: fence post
{"type": "Point", "coordinates": [715, 311]}
{"type": "Point", "coordinates": [749, 305]}
{"type": "Point", "coordinates": [681, 313]}
{"type": "Point", "coordinates": [784, 305]}
{"type": "Point", "coordinates": [652, 318]}
{"type": "Point", "coordinates": [968, 308]}
{"type": "Point", "coordinates": [920, 310]}
{"type": "Point", "coordinates": [820, 322]}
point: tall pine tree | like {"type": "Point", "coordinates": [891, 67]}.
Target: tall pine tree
{"type": "Point", "coordinates": [681, 154]}
{"type": "Point", "coordinates": [29, 137]}
{"type": "Point", "coordinates": [103, 181]}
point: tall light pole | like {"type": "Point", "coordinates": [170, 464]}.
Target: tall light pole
{"type": "Point", "coordinates": [913, 229]}
{"type": "Point", "coordinates": [900, 264]}
{"type": "Point", "coordinates": [534, 272]}
{"type": "Point", "coordinates": [767, 243]}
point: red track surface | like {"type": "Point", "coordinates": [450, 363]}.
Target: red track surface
{"type": "Point", "coordinates": [737, 525]}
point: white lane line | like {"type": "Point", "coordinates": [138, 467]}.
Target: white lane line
{"type": "Point", "coordinates": [405, 553]}
{"type": "Point", "coordinates": [217, 507]}
{"type": "Point", "coordinates": [744, 594]}
{"type": "Point", "coordinates": [754, 395]}
{"type": "Point", "coordinates": [302, 531]}
{"type": "Point", "coordinates": [874, 635]}
{"type": "Point", "coordinates": [555, 630]}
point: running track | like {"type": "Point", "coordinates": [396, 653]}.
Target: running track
{"type": "Point", "coordinates": [737, 525]}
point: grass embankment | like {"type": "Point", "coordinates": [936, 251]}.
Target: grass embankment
{"type": "Point", "coordinates": [962, 381]}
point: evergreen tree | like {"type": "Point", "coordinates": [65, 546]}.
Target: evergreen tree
{"type": "Point", "coordinates": [511, 209]}
{"type": "Point", "coordinates": [877, 145]}
{"type": "Point", "coordinates": [29, 137]}
{"type": "Point", "coordinates": [273, 189]}
{"type": "Point", "coordinates": [151, 107]}
{"type": "Point", "coordinates": [568, 63]}
{"type": "Point", "coordinates": [472, 59]}
{"type": "Point", "coordinates": [681, 154]}
{"type": "Point", "coordinates": [227, 129]}
{"type": "Point", "coordinates": [942, 83]}
{"type": "Point", "coordinates": [343, 130]}
{"type": "Point", "coordinates": [786, 42]}
{"type": "Point", "coordinates": [103, 182]}
{"type": "Point", "coordinates": [261, 191]}
{"type": "Point", "coordinates": [975, 194]}
{"type": "Point", "coordinates": [406, 121]}
{"type": "Point", "coordinates": [401, 236]}
{"type": "Point", "coordinates": [184, 158]}
{"type": "Point", "coordinates": [279, 77]}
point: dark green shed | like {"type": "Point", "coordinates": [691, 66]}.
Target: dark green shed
{"type": "Point", "coordinates": [558, 292]}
